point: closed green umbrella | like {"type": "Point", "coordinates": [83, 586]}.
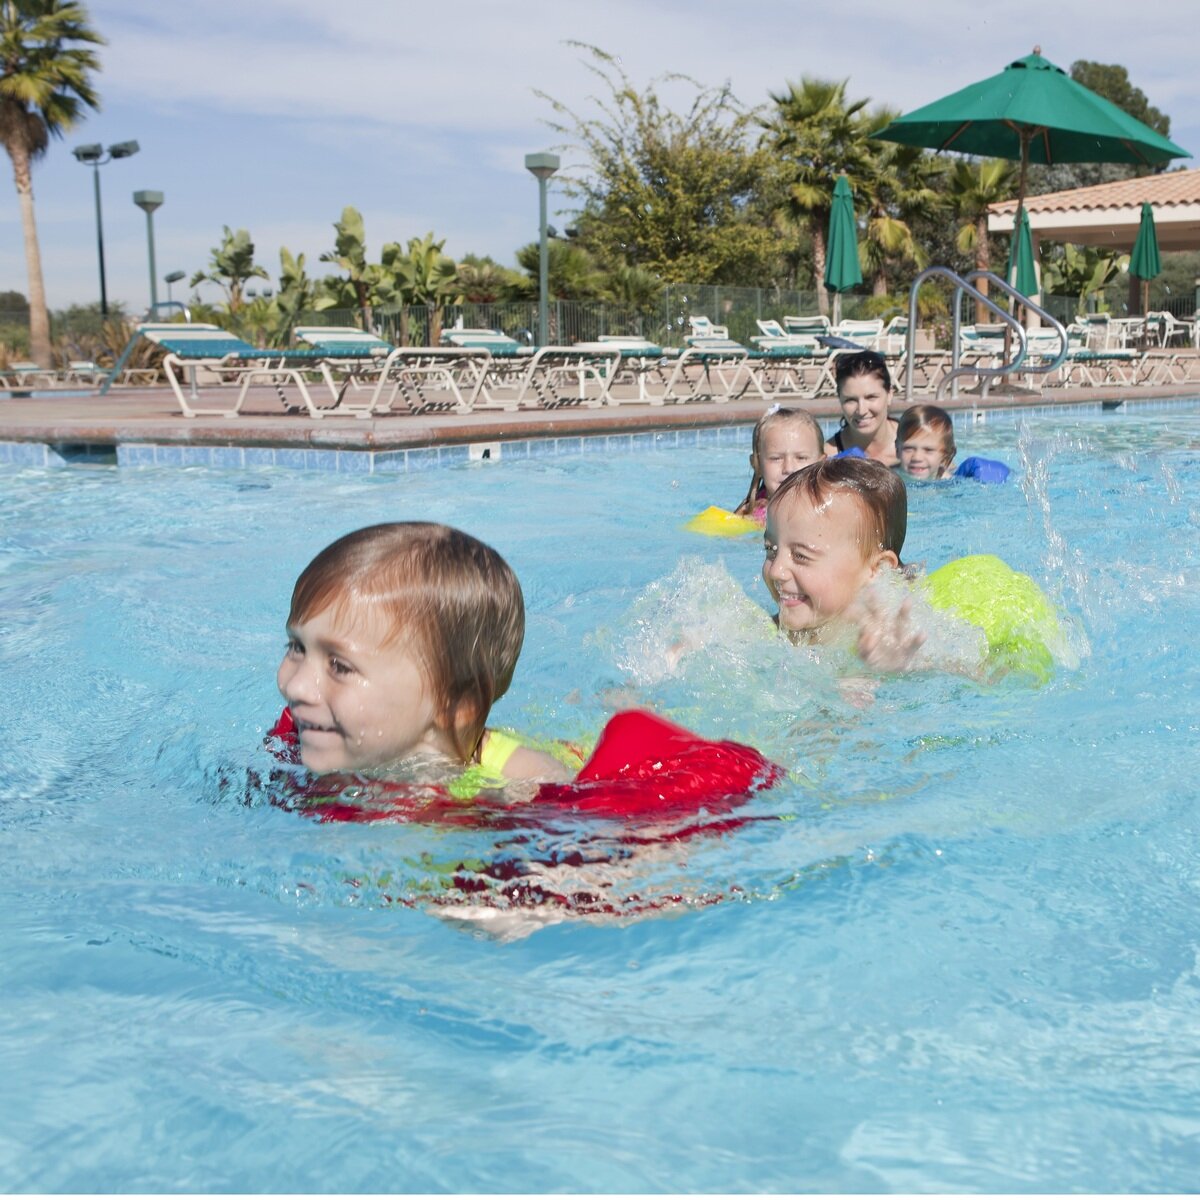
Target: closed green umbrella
{"type": "Point", "coordinates": [1144, 262]}
{"type": "Point", "coordinates": [1021, 272]}
{"type": "Point", "coordinates": [842, 271]}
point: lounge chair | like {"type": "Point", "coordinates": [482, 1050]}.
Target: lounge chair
{"type": "Point", "coordinates": [865, 333]}
{"type": "Point", "coordinates": [702, 327]}
{"type": "Point", "coordinates": [499, 344]}
{"type": "Point", "coordinates": [813, 326]}
{"type": "Point", "coordinates": [231, 360]}
{"type": "Point", "coordinates": [1166, 327]}
{"type": "Point", "coordinates": [20, 376]}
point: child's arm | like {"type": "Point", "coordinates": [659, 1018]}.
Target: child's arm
{"type": "Point", "coordinates": [528, 763]}
{"type": "Point", "coordinates": [887, 641]}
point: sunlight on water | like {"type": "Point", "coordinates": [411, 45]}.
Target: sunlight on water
{"type": "Point", "coordinates": [954, 950]}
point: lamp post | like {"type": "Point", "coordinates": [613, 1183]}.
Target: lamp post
{"type": "Point", "coordinates": [173, 277]}
{"type": "Point", "coordinates": [148, 202]}
{"type": "Point", "coordinates": [95, 156]}
{"type": "Point", "coordinates": [543, 166]}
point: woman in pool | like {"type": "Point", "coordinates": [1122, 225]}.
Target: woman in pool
{"type": "Point", "coordinates": [864, 387]}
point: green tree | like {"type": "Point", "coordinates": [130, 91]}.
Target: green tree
{"type": "Point", "coordinates": [230, 266]}
{"type": "Point", "coordinates": [571, 272]}
{"type": "Point", "coordinates": [296, 295]}
{"type": "Point", "coordinates": [482, 280]}
{"type": "Point", "coordinates": [817, 135]}
{"type": "Point", "coordinates": [971, 188]}
{"type": "Point", "coordinates": [45, 84]}
{"type": "Point", "coordinates": [419, 275]}
{"type": "Point", "coordinates": [1081, 271]}
{"type": "Point", "coordinates": [665, 191]}
{"type": "Point", "coordinates": [350, 253]}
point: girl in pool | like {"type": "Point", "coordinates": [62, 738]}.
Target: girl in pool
{"type": "Point", "coordinates": [925, 447]}
{"type": "Point", "coordinates": [401, 637]}
{"type": "Point", "coordinates": [784, 440]}
{"type": "Point", "coordinates": [925, 442]}
{"type": "Point", "coordinates": [864, 387]}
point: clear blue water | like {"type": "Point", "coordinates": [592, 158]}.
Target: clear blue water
{"type": "Point", "coordinates": [966, 962]}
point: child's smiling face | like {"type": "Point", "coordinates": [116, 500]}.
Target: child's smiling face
{"type": "Point", "coordinates": [785, 447]}
{"type": "Point", "coordinates": [358, 697]}
{"type": "Point", "coordinates": [923, 454]}
{"type": "Point", "coordinates": [816, 563]}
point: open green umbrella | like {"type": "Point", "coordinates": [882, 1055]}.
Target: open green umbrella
{"type": "Point", "coordinates": [1144, 262]}
{"type": "Point", "coordinates": [842, 271]}
{"type": "Point", "coordinates": [1020, 271]}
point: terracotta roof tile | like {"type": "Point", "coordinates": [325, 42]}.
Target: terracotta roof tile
{"type": "Point", "coordinates": [1163, 191]}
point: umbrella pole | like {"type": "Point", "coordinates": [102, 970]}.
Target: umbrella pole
{"type": "Point", "coordinates": [837, 308]}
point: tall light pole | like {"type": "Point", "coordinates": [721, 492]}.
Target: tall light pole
{"type": "Point", "coordinates": [148, 202]}
{"type": "Point", "coordinates": [543, 166]}
{"type": "Point", "coordinates": [95, 156]}
{"type": "Point", "coordinates": [173, 277]}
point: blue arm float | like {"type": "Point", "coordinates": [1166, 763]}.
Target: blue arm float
{"type": "Point", "coordinates": [985, 470]}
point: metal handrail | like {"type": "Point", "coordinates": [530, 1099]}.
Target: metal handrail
{"type": "Point", "coordinates": [963, 285]}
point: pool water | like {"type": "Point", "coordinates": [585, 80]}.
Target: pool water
{"type": "Point", "coordinates": [964, 960]}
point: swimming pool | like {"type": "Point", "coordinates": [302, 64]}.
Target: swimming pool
{"type": "Point", "coordinates": [966, 961]}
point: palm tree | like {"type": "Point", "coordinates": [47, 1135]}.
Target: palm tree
{"type": "Point", "coordinates": [819, 136]}
{"type": "Point", "coordinates": [972, 187]}
{"type": "Point", "coordinates": [231, 266]}
{"type": "Point", "coordinates": [44, 84]}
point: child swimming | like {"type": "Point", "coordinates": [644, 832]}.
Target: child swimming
{"type": "Point", "coordinates": [925, 442]}
{"type": "Point", "coordinates": [864, 387]}
{"type": "Point", "coordinates": [832, 529]}
{"type": "Point", "coordinates": [784, 440]}
{"type": "Point", "coordinates": [925, 447]}
{"type": "Point", "coordinates": [401, 637]}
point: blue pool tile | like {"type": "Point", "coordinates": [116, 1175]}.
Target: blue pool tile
{"type": "Point", "coordinates": [424, 459]}
{"type": "Point", "coordinates": [619, 443]}
{"type": "Point", "coordinates": [287, 457]}
{"type": "Point", "coordinates": [541, 447]}
{"type": "Point", "coordinates": [641, 441]}
{"type": "Point", "coordinates": [28, 454]}
{"type": "Point", "coordinates": [321, 460]}
{"type": "Point", "coordinates": [389, 462]}
{"type": "Point", "coordinates": [196, 456]}
{"type": "Point", "coordinates": [570, 445]}
{"type": "Point", "coordinates": [453, 456]}
{"type": "Point", "coordinates": [5, 452]}
{"type": "Point", "coordinates": [514, 450]}
{"type": "Point", "coordinates": [135, 454]}
{"type": "Point", "coordinates": [259, 456]}
{"type": "Point", "coordinates": [687, 437]}
{"type": "Point", "coordinates": [227, 456]}
{"type": "Point", "coordinates": [665, 437]}
{"type": "Point", "coordinates": [354, 462]}
{"type": "Point", "coordinates": [168, 456]}
{"type": "Point", "coordinates": [595, 445]}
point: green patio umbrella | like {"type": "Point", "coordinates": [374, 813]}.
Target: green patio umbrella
{"type": "Point", "coordinates": [842, 271]}
{"type": "Point", "coordinates": [1144, 262]}
{"type": "Point", "coordinates": [1021, 272]}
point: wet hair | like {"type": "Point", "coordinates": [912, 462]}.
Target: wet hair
{"type": "Point", "coordinates": [775, 416]}
{"type": "Point", "coordinates": [862, 362]}
{"type": "Point", "coordinates": [455, 597]}
{"type": "Point", "coordinates": [877, 491]}
{"type": "Point", "coordinates": [927, 416]}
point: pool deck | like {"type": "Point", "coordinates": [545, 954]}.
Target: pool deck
{"type": "Point", "coordinates": [151, 415]}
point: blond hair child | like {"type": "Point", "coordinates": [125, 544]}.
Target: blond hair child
{"type": "Point", "coordinates": [784, 440]}
{"type": "Point", "coordinates": [925, 442]}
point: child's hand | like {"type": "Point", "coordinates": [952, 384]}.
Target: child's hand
{"type": "Point", "coordinates": [886, 640]}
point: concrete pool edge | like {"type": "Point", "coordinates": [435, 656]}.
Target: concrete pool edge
{"type": "Point", "coordinates": [140, 435]}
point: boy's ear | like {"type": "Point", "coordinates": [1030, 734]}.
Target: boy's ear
{"type": "Point", "coordinates": [887, 558]}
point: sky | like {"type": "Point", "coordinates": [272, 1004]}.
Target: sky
{"type": "Point", "coordinates": [272, 115]}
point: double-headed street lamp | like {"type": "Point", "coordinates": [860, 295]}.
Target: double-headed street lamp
{"type": "Point", "coordinates": [95, 156]}
{"type": "Point", "coordinates": [543, 166]}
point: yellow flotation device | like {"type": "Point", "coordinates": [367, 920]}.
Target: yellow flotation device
{"type": "Point", "coordinates": [1020, 623]}
{"type": "Point", "coordinates": [719, 522]}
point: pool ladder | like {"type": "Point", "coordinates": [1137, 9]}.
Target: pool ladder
{"type": "Point", "coordinates": [964, 285]}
